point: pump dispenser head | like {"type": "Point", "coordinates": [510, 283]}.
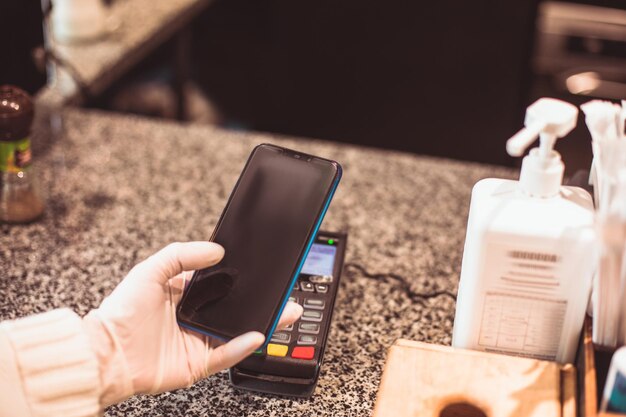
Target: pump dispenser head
{"type": "Point", "coordinates": [542, 169]}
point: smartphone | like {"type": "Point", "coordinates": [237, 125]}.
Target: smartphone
{"type": "Point", "coordinates": [266, 229]}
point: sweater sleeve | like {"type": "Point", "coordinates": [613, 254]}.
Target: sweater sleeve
{"type": "Point", "coordinates": [48, 367]}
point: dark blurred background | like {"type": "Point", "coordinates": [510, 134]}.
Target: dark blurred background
{"type": "Point", "coordinates": [20, 33]}
{"type": "Point", "coordinates": [448, 78]}
{"type": "Point", "coordinates": [441, 78]}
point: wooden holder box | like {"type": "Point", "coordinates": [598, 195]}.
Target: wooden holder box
{"type": "Point", "coordinates": [592, 365]}
{"type": "Point", "coordinates": [427, 380]}
{"type": "Point", "coordinates": [421, 379]}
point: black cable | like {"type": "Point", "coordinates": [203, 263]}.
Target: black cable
{"type": "Point", "coordinates": [403, 283]}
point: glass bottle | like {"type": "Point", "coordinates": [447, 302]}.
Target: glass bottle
{"type": "Point", "coordinates": [20, 199]}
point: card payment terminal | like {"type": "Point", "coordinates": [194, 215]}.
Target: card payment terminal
{"type": "Point", "coordinates": [290, 364]}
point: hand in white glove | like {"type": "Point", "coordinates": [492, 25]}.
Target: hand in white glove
{"type": "Point", "coordinates": [141, 348]}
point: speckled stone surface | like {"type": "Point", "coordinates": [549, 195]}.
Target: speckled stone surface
{"type": "Point", "coordinates": [120, 187]}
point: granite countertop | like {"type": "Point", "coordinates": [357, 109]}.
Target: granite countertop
{"type": "Point", "coordinates": [120, 187]}
{"type": "Point", "coordinates": [139, 27]}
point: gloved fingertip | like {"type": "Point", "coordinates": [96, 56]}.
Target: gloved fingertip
{"type": "Point", "coordinates": [293, 311]}
{"type": "Point", "coordinates": [216, 252]}
{"type": "Point", "coordinates": [253, 340]}
{"type": "Point", "coordinates": [296, 309]}
{"type": "Point", "coordinates": [233, 351]}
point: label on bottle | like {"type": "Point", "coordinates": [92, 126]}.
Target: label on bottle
{"type": "Point", "coordinates": [524, 308]}
{"type": "Point", "coordinates": [15, 156]}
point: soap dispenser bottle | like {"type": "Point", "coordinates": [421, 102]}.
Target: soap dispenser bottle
{"type": "Point", "coordinates": [529, 251]}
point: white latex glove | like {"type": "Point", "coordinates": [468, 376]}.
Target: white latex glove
{"type": "Point", "coordinates": [141, 348]}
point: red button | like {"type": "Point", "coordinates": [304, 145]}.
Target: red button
{"type": "Point", "coordinates": [303, 352]}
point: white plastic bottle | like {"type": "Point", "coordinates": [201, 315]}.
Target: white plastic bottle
{"type": "Point", "coordinates": [529, 251]}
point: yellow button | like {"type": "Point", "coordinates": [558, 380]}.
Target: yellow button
{"type": "Point", "coordinates": [277, 350]}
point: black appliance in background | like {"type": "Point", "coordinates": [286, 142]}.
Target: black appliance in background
{"type": "Point", "coordinates": [580, 55]}
{"type": "Point", "coordinates": [448, 78]}
{"type": "Point", "coordinates": [21, 32]}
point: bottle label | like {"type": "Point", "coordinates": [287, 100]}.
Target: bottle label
{"type": "Point", "coordinates": [15, 156]}
{"type": "Point", "coordinates": [524, 308]}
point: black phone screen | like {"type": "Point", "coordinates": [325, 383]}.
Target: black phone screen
{"type": "Point", "coordinates": [265, 228]}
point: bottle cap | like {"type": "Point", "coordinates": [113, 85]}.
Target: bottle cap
{"type": "Point", "coordinates": [16, 113]}
{"type": "Point", "coordinates": [542, 169]}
